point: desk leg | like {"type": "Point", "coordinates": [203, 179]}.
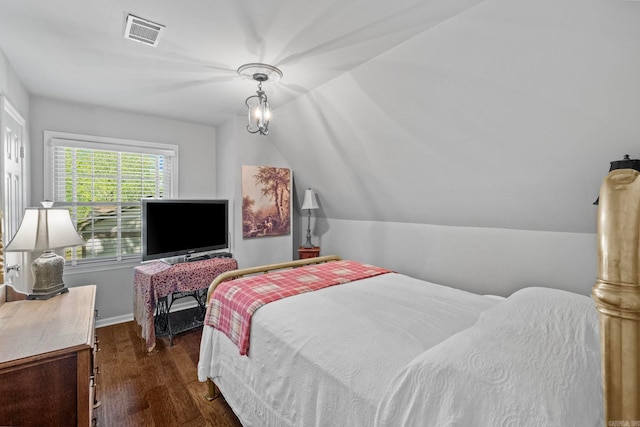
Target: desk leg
{"type": "Point", "coordinates": [201, 296]}
{"type": "Point", "coordinates": [162, 321]}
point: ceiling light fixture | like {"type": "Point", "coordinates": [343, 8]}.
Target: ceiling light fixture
{"type": "Point", "coordinates": [258, 112]}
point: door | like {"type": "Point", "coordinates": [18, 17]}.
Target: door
{"type": "Point", "coordinates": [14, 191]}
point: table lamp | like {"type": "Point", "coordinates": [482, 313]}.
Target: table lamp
{"type": "Point", "coordinates": [309, 203]}
{"type": "Point", "coordinates": [45, 229]}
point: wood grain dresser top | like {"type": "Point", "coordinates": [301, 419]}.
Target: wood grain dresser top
{"type": "Point", "coordinates": [34, 329]}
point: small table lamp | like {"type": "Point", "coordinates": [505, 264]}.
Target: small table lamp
{"type": "Point", "coordinates": [45, 229]}
{"type": "Point", "coordinates": [309, 203]}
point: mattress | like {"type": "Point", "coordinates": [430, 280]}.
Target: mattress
{"type": "Point", "coordinates": [328, 357]}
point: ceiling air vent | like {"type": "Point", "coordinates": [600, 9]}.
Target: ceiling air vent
{"type": "Point", "coordinates": [142, 31]}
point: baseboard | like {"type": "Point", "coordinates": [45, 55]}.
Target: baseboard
{"type": "Point", "coordinates": [100, 323]}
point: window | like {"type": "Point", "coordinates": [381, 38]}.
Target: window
{"type": "Point", "coordinates": [101, 181]}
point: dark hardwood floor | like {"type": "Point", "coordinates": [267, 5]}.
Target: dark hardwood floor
{"type": "Point", "coordinates": [160, 389]}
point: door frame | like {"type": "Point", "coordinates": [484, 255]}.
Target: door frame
{"type": "Point", "coordinates": [23, 258]}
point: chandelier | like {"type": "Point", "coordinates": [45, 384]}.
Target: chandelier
{"type": "Point", "coordinates": [258, 112]}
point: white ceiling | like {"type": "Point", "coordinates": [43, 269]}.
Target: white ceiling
{"type": "Point", "coordinates": [75, 49]}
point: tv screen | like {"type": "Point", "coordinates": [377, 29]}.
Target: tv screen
{"type": "Point", "coordinates": [173, 227]}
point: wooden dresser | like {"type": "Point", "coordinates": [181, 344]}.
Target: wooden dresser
{"type": "Point", "coordinates": [47, 360]}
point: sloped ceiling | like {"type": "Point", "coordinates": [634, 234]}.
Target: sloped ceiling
{"type": "Point", "coordinates": [501, 113]}
{"type": "Point", "coordinates": [506, 116]}
{"type": "Point", "coordinates": [75, 49]}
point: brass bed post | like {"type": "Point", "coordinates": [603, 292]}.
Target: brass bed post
{"type": "Point", "coordinates": [617, 295]}
{"type": "Point", "coordinates": [213, 392]}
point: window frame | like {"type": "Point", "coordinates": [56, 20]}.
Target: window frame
{"type": "Point", "coordinates": [66, 139]}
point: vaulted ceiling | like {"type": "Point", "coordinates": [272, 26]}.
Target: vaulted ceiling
{"type": "Point", "coordinates": [76, 50]}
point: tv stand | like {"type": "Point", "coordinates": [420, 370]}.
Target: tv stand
{"type": "Point", "coordinates": [157, 284]}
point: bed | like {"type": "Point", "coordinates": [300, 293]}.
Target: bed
{"type": "Point", "coordinates": [390, 350]}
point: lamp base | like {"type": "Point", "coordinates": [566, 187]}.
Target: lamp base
{"type": "Point", "coordinates": [308, 244]}
{"type": "Point", "coordinates": [43, 295]}
{"type": "Point", "coordinates": [47, 272]}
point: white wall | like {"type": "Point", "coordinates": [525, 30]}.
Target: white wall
{"type": "Point", "coordinates": [486, 137]}
{"type": "Point", "coordinates": [237, 147]}
{"type": "Point", "coordinates": [12, 88]}
{"type": "Point", "coordinates": [471, 154]}
{"type": "Point", "coordinates": [505, 116]}
{"type": "Point", "coordinates": [480, 260]}
{"type": "Point", "coordinates": [196, 175]}
{"type": "Point", "coordinates": [197, 144]}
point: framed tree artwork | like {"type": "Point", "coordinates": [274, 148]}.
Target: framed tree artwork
{"type": "Point", "coordinates": [266, 201]}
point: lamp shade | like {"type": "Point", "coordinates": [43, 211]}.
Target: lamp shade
{"type": "Point", "coordinates": [45, 228]}
{"type": "Point", "coordinates": [309, 201]}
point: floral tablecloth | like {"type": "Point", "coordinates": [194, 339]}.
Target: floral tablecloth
{"type": "Point", "coordinates": [157, 279]}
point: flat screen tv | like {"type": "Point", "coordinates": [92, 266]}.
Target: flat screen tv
{"type": "Point", "coordinates": [174, 227]}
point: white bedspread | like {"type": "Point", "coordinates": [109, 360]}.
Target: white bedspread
{"type": "Point", "coordinates": [326, 358]}
{"type": "Point", "coordinates": [532, 360]}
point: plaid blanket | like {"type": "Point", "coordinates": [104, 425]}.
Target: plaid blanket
{"type": "Point", "coordinates": [234, 301]}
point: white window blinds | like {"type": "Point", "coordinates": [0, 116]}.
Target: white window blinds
{"type": "Point", "coordinates": [102, 184]}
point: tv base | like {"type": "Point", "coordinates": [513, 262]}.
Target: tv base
{"type": "Point", "coordinates": [195, 257]}
{"type": "Point", "coordinates": [174, 260]}
{"type": "Point", "coordinates": [201, 257]}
